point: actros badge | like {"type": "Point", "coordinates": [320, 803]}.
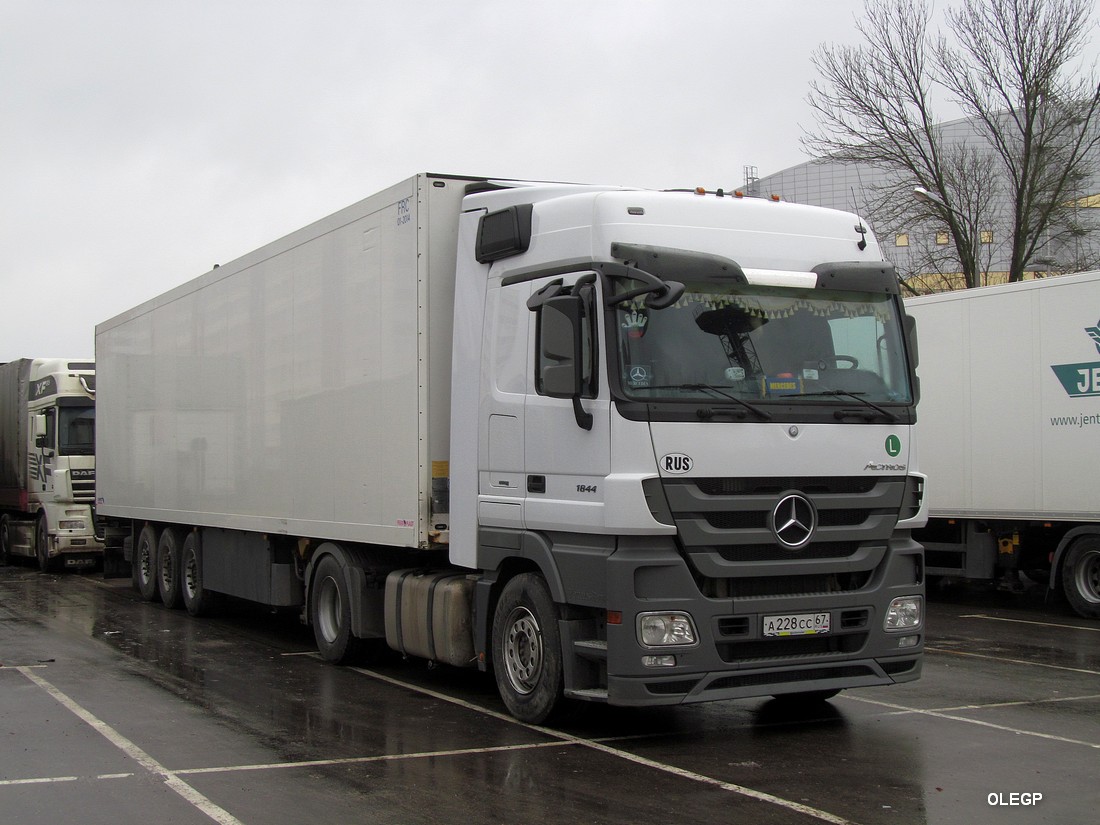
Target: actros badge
{"type": "Point", "coordinates": [677, 463]}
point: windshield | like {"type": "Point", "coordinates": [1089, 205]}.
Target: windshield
{"type": "Point", "coordinates": [757, 343]}
{"type": "Point", "coordinates": [76, 433]}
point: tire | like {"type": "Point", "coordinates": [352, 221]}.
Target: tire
{"type": "Point", "coordinates": [145, 564]}
{"type": "Point", "coordinates": [330, 615]}
{"type": "Point", "coordinates": [42, 545]}
{"type": "Point", "coordinates": [527, 656]}
{"type": "Point", "coordinates": [1081, 576]}
{"type": "Point", "coordinates": [168, 568]}
{"type": "Point", "coordinates": [196, 598]}
{"type": "Point", "coordinates": [5, 540]}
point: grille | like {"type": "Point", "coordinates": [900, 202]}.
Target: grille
{"type": "Point", "coordinates": [84, 490]}
{"type": "Point", "coordinates": [725, 524]}
{"type": "Point", "coordinates": [797, 648]}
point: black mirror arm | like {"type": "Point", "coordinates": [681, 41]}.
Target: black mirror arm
{"type": "Point", "coordinates": [584, 419]}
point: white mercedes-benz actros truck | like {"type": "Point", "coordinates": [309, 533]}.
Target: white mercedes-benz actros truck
{"type": "Point", "coordinates": [638, 447]}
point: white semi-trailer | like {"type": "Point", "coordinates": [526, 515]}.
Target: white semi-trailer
{"type": "Point", "coordinates": [1010, 409]}
{"type": "Point", "coordinates": [618, 445]}
{"type": "Point", "coordinates": [47, 462]}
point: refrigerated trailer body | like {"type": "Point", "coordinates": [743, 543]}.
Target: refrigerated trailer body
{"type": "Point", "coordinates": [47, 462]}
{"type": "Point", "coordinates": [619, 445]}
{"type": "Point", "coordinates": [1010, 406]}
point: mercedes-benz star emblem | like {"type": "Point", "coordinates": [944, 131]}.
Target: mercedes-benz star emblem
{"type": "Point", "coordinates": [794, 520]}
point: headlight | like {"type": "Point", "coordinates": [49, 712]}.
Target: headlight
{"type": "Point", "coordinates": [71, 524]}
{"type": "Point", "coordinates": [904, 613]}
{"type": "Point", "coordinates": [664, 629]}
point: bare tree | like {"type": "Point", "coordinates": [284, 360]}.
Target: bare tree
{"type": "Point", "coordinates": [1009, 65]}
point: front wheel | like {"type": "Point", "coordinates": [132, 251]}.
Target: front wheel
{"type": "Point", "coordinates": [527, 657]}
{"type": "Point", "coordinates": [1081, 576]}
{"type": "Point", "coordinates": [42, 545]}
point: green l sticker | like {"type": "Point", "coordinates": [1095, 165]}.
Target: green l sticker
{"type": "Point", "coordinates": [893, 446]}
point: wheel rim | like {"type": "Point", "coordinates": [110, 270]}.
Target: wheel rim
{"type": "Point", "coordinates": [1087, 577]}
{"type": "Point", "coordinates": [523, 650]}
{"type": "Point", "coordinates": [330, 609]}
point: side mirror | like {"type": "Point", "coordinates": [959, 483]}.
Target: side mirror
{"type": "Point", "coordinates": [561, 352]}
{"type": "Point", "coordinates": [911, 339]}
{"type": "Point", "coordinates": [560, 357]}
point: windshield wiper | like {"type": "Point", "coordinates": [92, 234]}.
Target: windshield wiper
{"type": "Point", "coordinates": [853, 395]}
{"type": "Point", "coordinates": [709, 388]}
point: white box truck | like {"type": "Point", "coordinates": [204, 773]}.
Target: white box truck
{"type": "Point", "coordinates": [617, 445]}
{"type": "Point", "coordinates": [47, 462]}
{"type": "Point", "coordinates": [1010, 409]}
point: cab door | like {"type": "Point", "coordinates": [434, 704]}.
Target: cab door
{"type": "Point", "coordinates": [567, 441]}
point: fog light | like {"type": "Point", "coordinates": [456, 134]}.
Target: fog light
{"type": "Point", "coordinates": [908, 641]}
{"type": "Point", "coordinates": [659, 661]}
{"type": "Point", "coordinates": [663, 629]}
{"type": "Point", "coordinates": [71, 524]}
{"type": "Point", "coordinates": [904, 613]}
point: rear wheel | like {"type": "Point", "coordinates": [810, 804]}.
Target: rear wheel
{"type": "Point", "coordinates": [196, 598]}
{"type": "Point", "coordinates": [1081, 576]}
{"type": "Point", "coordinates": [168, 568]}
{"type": "Point", "coordinates": [527, 658]}
{"type": "Point", "coordinates": [330, 615]}
{"type": "Point", "coordinates": [145, 563]}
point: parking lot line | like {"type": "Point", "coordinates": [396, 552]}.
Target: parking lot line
{"type": "Point", "coordinates": [902, 709]}
{"type": "Point", "coordinates": [947, 652]}
{"type": "Point", "coordinates": [989, 618]}
{"type": "Point", "coordinates": [189, 794]}
{"type": "Point", "coordinates": [602, 747]}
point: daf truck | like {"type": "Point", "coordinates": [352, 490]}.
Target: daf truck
{"type": "Point", "coordinates": [47, 462]}
{"type": "Point", "coordinates": [1010, 409]}
{"type": "Point", "coordinates": [616, 445]}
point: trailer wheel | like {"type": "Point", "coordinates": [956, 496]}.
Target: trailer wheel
{"type": "Point", "coordinates": [330, 615]}
{"type": "Point", "coordinates": [145, 563]}
{"type": "Point", "coordinates": [527, 657]}
{"type": "Point", "coordinates": [168, 568]}
{"type": "Point", "coordinates": [42, 545]}
{"type": "Point", "coordinates": [1081, 576]}
{"type": "Point", "coordinates": [197, 600]}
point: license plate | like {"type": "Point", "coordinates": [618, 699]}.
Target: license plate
{"type": "Point", "coordinates": [797, 624]}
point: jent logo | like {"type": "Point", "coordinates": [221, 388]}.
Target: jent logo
{"type": "Point", "coordinates": [1081, 380]}
{"type": "Point", "coordinates": [677, 463]}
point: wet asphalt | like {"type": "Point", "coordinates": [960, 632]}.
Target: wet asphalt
{"type": "Point", "coordinates": [118, 711]}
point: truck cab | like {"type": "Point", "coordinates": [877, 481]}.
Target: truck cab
{"type": "Point", "coordinates": [694, 418]}
{"type": "Point", "coordinates": [49, 500]}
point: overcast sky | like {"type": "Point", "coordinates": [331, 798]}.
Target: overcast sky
{"type": "Point", "coordinates": [142, 141]}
